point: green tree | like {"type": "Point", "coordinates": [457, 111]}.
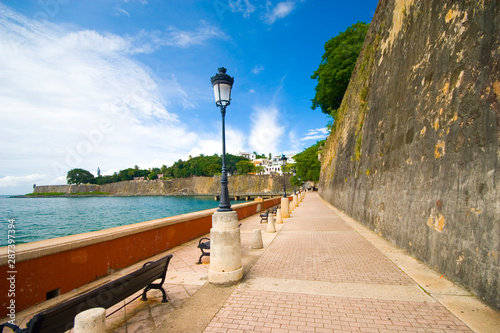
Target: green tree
{"type": "Point", "coordinates": [307, 164]}
{"type": "Point", "coordinates": [245, 167]}
{"type": "Point", "coordinates": [259, 155]}
{"type": "Point", "coordinates": [79, 176]}
{"type": "Point", "coordinates": [214, 169]}
{"type": "Point", "coordinates": [294, 180]}
{"type": "Point", "coordinates": [231, 161]}
{"type": "Point", "coordinates": [336, 67]}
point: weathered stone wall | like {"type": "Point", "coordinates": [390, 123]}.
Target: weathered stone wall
{"type": "Point", "coordinates": [238, 185]}
{"type": "Point", "coordinates": [415, 155]}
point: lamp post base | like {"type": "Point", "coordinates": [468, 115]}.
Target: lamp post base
{"type": "Point", "coordinates": [225, 249]}
{"type": "Point", "coordinates": [225, 278]}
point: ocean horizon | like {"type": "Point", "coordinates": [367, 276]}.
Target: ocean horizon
{"type": "Point", "coordinates": [42, 218]}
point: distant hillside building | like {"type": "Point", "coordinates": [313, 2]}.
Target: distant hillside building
{"type": "Point", "coordinates": [272, 166]}
{"type": "Point", "coordinates": [250, 156]}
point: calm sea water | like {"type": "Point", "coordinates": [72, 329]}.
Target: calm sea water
{"type": "Point", "coordinates": [44, 218]}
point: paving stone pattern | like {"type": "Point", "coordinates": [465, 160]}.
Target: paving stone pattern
{"type": "Point", "coordinates": [324, 248]}
{"type": "Point", "coordinates": [265, 311]}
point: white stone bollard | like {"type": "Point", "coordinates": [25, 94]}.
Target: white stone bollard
{"type": "Point", "coordinates": [285, 208]}
{"type": "Point", "coordinates": [279, 220]}
{"type": "Point", "coordinates": [91, 321]}
{"type": "Point", "coordinates": [225, 249]}
{"type": "Point", "coordinates": [257, 239]}
{"type": "Point", "coordinates": [270, 224]}
{"type": "Point", "coordinates": [295, 200]}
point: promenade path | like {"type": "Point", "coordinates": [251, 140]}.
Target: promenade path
{"type": "Point", "coordinates": [320, 272]}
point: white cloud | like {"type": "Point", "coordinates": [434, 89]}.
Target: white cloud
{"type": "Point", "coordinates": [120, 11]}
{"type": "Point", "coordinates": [183, 38]}
{"type": "Point", "coordinates": [316, 134]}
{"type": "Point", "coordinates": [150, 41]}
{"type": "Point", "coordinates": [281, 10]}
{"type": "Point", "coordinates": [269, 13]}
{"type": "Point", "coordinates": [266, 130]}
{"type": "Point", "coordinates": [12, 181]}
{"type": "Point", "coordinates": [57, 181]}
{"type": "Point", "coordinates": [243, 6]}
{"type": "Point", "coordinates": [76, 98]}
{"type": "Point", "coordinates": [257, 69]}
{"type": "Point", "coordinates": [212, 144]}
{"type": "Point", "coordinates": [176, 91]}
{"type": "Point", "coordinates": [294, 143]}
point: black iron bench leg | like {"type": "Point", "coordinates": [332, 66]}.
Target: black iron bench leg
{"type": "Point", "coordinates": [202, 255]}
{"type": "Point", "coordinates": [14, 328]}
{"type": "Point", "coordinates": [154, 286]}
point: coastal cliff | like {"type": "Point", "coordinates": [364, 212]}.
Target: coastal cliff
{"type": "Point", "coordinates": [415, 151]}
{"type": "Point", "coordinates": [243, 185]}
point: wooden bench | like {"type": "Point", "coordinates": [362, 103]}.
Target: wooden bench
{"type": "Point", "coordinates": [275, 209]}
{"type": "Point", "coordinates": [60, 318]}
{"type": "Point", "coordinates": [264, 216]}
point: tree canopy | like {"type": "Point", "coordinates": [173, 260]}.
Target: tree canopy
{"type": "Point", "coordinates": [202, 165]}
{"type": "Point", "coordinates": [307, 164]}
{"type": "Point", "coordinates": [79, 176]}
{"type": "Point", "coordinates": [336, 67]}
{"type": "Point", "coordinates": [245, 167]}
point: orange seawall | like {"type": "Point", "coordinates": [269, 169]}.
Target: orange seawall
{"type": "Point", "coordinates": [69, 262]}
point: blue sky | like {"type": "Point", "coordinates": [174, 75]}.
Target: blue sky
{"type": "Point", "coordinates": [115, 83]}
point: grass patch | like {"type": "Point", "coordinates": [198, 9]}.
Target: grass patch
{"type": "Point", "coordinates": [60, 194]}
{"type": "Point", "coordinates": [47, 194]}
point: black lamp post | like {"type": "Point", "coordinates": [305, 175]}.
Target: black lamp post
{"type": "Point", "coordinates": [283, 163]}
{"type": "Point", "coordinates": [294, 175]}
{"type": "Point", "coordinates": [222, 84]}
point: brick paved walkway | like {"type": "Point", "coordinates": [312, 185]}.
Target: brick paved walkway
{"type": "Point", "coordinates": [321, 272]}
{"type": "Point", "coordinates": [321, 275]}
{"type": "Point", "coordinates": [266, 311]}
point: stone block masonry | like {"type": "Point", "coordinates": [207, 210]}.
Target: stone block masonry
{"type": "Point", "coordinates": [415, 151]}
{"type": "Point", "coordinates": [243, 185]}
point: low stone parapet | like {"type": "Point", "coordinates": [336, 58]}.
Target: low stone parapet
{"type": "Point", "coordinates": [51, 267]}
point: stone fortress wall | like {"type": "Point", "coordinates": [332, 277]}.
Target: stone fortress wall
{"type": "Point", "coordinates": [415, 156]}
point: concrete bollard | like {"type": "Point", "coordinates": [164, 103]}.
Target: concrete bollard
{"type": "Point", "coordinates": [285, 208]}
{"type": "Point", "coordinates": [257, 239]}
{"type": "Point", "coordinates": [295, 200]}
{"type": "Point", "coordinates": [91, 321]}
{"type": "Point", "coordinates": [225, 249]}
{"type": "Point", "coordinates": [270, 224]}
{"type": "Point", "coordinates": [279, 220]}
